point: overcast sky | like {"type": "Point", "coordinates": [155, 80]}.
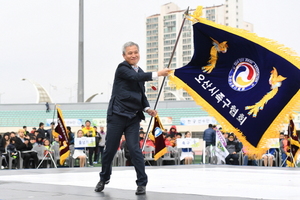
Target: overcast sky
{"type": "Point", "coordinates": [39, 41]}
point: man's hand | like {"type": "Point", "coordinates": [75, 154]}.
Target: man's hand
{"type": "Point", "coordinates": [151, 112]}
{"type": "Point", "coordinates": [164, 72]}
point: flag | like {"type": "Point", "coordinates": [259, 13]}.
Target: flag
{"type": "Point", "coordinates": [61, 132]}
{"type": "Point", "coordinates": [221, 151]}
{"type": "Point", "coordinates": [293, 150]}
{"type": "Point", "coordinates": [157, 132]}
{"type": "Point", "coordinates": [247, 83]}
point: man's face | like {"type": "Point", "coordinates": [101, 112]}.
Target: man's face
{"type": "Point", "coordinates": [132, 55]}
{"type": "Point", "coordinates": [87, 124]}
{"type": "Point", "coordinates": [231, 138]}
{"type": "Point", "coordinates": [281, 136]}
{"type": "Point", "coordinates": [21, 134]}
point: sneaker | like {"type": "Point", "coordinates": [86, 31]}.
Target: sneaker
{"type": "Point", "coordinates": [95, 162]}
{"type": "Point", "coordinates": [2, 167]}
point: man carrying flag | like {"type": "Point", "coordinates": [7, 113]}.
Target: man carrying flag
{"type": "Point", "coordinates": [61, 132]}
{"type": "Point", "coordinates": [125, 111]}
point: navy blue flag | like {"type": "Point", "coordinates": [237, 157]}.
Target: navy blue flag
{"type": "Point", "coordinates": [249, 84]}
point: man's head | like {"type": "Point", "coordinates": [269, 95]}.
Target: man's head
{"type": "Point", "coordinates": [102, 128]}
{"type": "Point", "coordinates": [25, 128]}
{"type": "Point", "coordinates": [52, 125]}
{"type": "Point", "coordinates": [142, 134]}
{"type": "Point", "coordinates": [41, 125]}
{"type": "Point", "coordinates": [178, 135]}
{"type": "Point", "coordinates": [281, 136]}
{"type": "Point", "coordinates": [21, 133]}
{"type": "Point", "coordinates": [210, 125]}
{"type": "Point", "coordinates": [131, 53]}
{"type": "Point", "coordinates": [12, 134]}
{"type": "Point", "coordinates": [95, 127]}
{"type": "Point", "coordinates": [68, 129]}
{"type": "Point", "coordinates": [230, 137]}
{"type": "Point", "coordinates": [87, 123]}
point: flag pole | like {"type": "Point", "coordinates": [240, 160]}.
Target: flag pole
{"type": "Point", "coordinates": [161, 87]}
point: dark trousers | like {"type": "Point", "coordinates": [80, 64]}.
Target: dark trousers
{"type": "Point", "coordinates": [235, 158]}
{"type": "Point", "coordinates": [26, 157]}
{"type": "Point", "coordinates": [91, 152]}
{"type": "Point", "coordinates": [116, 125]}
{"type": "Point", "coordinates": [100, 153]}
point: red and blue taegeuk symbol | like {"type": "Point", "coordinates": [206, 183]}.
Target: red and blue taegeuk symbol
{"type": "Point", "coordinates": [244, 75]}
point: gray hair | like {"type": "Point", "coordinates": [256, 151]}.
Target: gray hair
{"type": "Point", "coordinates": [129, 44]}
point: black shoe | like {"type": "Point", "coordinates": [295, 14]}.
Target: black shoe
{"type": "Point", "coordinates": [140, 190]}
{"type": "Point", "coordinates": [100, 186]}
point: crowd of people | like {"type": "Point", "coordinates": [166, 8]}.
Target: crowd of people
{"type": "Point", "coordinates": [240, 154]}
{"type": "Point", "coordinates": [21, 143]}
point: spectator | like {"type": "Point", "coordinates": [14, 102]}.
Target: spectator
{"type": "Point", "coordinates": [89, 131]}
{"type": "Point", "coordinates": [283, 148]}
{"type": "Point", "coordinates": [97, 151]}
{"type": "Point", "coordinates": [168, 142]}
{"type": "Point", "coordinates": [12, 151]}
{"type": "Point", "coordinates": [25, 129]}
{"type": "Point", "coordinates": [55, 142]}
{"type": "Point", "coordinates": [71, 136]}
{"type": "Point", "coordinates": [79, 151]}
{"type": "Point", "coordinates": [47, 107]}
{"type": "Point", "coordinates": [187, 153]}
{"type": "Point", "coordinates": [49, 134]}
{"type": "Point", "coordinates": [173, 131]}
{"type": "Point", "coordinates": [233, 148]}
{"type": "Point", "coordinates": [42, 133]}
{"type": "Point", "coordinates": [177, 136]}
{"type": "Point", "coordinates": [4, 142]}
{"type": "Point", "coordinates": [102, 142]}
{"type": "Point", "coordinates": [23, 144]}
{"type": "Point", "coordinates": [209, 136]}
{"type": "Point", "coordinates": [269, 157]}
{"type": "Point", "coordinates": [33, 141]}
{"type": "Point", "coordinates": [33, 130]}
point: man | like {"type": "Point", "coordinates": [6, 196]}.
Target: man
{"type": "Point", "coordinates": [89, 131]}
{"type": "Point", "coordinates": [209, 136]}
{"type": "Point", "coordinates": [101, 143]}
{"type": "Point", "coordinates": [98, 138]}
{"type": "Point", "coordinates": [23, 144]}
{"type": "Point", "coordinates": [49, 135]}
{"type": "Point", "coordinates": [42, 133]}
{"type": "Point", "coordinates": [283, 148]}
{"type": "Point", "coordinates": [124, 113]}
{"type": "Point", "coordinates": [233, 148]}
{"type": "Point", "coordinates": [25, 129]}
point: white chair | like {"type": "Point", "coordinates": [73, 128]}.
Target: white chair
{"type": "Point", "coordinates": [171, 155]}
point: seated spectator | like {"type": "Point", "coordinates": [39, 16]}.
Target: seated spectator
{"type": "Point", "coordinates": [177, 136]}
{"type": "Point", "coordinates": [269, 157]}
{"type": "Point", "coordinates": [168, 141]}
{"type": "Point", "coordinates": [187, 153]}
{"type": "Point", "coordinates": [253, 158]}
{"type": "Point", "coordinates": [33, 141]}
{"type": "Point", "coordinates": [148, 141]}
{"type": "Point", "coordinates": [233, 148]}
{"type": "Point", "coordinates": [56, 141]}
{"type": "Point", "coordinates": [79, 151]}
{"type": "Point", "coordinates": [283, 148]}
{"type": "Point", "coordinates": [33, 130]}
{"type": "Point", "coordinates": [4, 142]}
{"type": "Point", "coordinates": [24, 145]}
{"type": "Point", "coordinates": [173, 131]}
{"type": "Point", "coordinates": [12, 151]}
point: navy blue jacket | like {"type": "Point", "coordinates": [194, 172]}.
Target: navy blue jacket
{"type": "Point", "coordinates": [209, 136]}
{"type": "Point", "coordinates": [128, 95]}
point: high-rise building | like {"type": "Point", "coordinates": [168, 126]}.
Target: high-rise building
{"type": "Point", "coordinates": [161, 33]}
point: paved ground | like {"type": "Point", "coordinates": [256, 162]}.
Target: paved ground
{"type": "Point", "coordinates": [212, 182]}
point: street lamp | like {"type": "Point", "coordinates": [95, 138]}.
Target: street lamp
{"type": "Point", "coordinates": [42, 94]}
